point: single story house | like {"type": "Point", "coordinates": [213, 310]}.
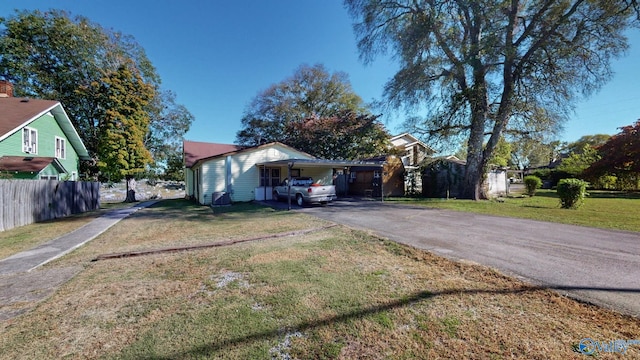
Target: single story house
{"type": "Point", "coordinates": [37, 139]}
{"type": "Point", "coordinates": [246, 174]}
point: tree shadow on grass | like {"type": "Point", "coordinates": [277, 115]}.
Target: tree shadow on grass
{"type": "Point", "coordinates": [212, 348]}
{"type": "Point", "coordinates": [547, 194]}
{"type": "Point", "coordinates": [599, 194]}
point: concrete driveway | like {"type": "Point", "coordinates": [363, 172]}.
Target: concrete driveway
{"type": "Point", "coordinates": [593, 265]}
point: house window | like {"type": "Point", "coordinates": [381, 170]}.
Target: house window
{"type": "Point", "coordinates": [30, 140]}
{"type": "Point", "coordinates": [61, 148]}
{"type": "Point", "coordinates": [48, 177]}
{"type": "Point", "coordinates": [270, 176]}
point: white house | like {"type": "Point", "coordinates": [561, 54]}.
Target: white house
{"type": "Point", "coordinates": [247, 174]}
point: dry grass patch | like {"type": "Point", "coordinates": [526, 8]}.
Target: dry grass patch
{"type": "Point", "coordinates": [333, 294]}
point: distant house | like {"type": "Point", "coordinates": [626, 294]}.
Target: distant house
{"type": "Point", "coordinates": [400, 173]}
{"type": "Point", "coordinates": [413, 153]}
{"type": "Point", "coordinates": [37, 139]}
{"type": "Point", "coordinates": [442, 177]}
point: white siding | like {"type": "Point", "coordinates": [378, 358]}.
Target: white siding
{"type": "Point", "coordinates": [401, 142]}
{"type": "Point", "coordinates": [497, 181]}
{"type": "Point", "coordinates": [213, 172]}
{"type": "Point", "coordinates": [245, 175]}
{"type": "Point", "coordinates": [188, 182]}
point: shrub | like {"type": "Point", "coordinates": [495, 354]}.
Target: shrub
{"type": "Point", "coordinates": [605, 182]}
{"type": "Point", "coordinates": [572, 193]}
{"type": "Point", "coordinates": [532, 183]}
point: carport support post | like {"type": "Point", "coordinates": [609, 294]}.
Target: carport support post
{"type": "Point", "coordinates": [264, 176]}
{"type": "Point", "coordinates": [289, 166]}
{"type": "Point", "coordinates": [382, 173]}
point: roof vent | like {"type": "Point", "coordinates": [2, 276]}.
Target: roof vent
{"type": "Point", "coordinates": [25, 100]}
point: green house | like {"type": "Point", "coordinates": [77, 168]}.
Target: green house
{"type": "Point", "coordinates": [38, 141]}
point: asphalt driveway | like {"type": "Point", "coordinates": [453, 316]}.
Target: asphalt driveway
{"type": "Point", "coordinates": [593, 265]}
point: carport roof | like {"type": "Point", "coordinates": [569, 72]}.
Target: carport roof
{"type": "Point", "coordinates": [323, 163]}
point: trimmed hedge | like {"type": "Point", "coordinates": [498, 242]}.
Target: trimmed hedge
{"type": "Point", "coordinates": [572, 193]}
{"type": "Point", "coordinates": [532, 183]}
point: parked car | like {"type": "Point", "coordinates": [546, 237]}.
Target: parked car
{"type": "Point", "coordinates": [305, 191]}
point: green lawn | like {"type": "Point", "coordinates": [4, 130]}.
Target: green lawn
{"type": "Point", "coordinates": [608, 210]}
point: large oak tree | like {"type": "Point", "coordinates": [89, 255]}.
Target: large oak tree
{"type": "Point", "coordinates": [488, 67]}
{"type": "Point", "coordinates": [315, 111]}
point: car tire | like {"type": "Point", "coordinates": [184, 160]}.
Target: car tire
{"type": "Point", "coordinates": [299, 200]}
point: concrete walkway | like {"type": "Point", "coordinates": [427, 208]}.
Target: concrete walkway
{"type": "Point", "coordinates": [51, 250]}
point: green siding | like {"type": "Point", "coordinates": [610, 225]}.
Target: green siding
{"type": "Point", "coordinates": [12, 145]}
{"type": "Point", "coordinates": [48, 129]}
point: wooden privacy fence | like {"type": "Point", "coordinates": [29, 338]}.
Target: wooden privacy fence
{"type": "Point", "coordinates": [24, 202]}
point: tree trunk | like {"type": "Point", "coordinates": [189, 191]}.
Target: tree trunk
{"type": "Point", "coordinates": [472, 182]}
{"type": "Point", "coordinates": [474, 170]}
{"type": "Point", "coordinates": [131, 189]}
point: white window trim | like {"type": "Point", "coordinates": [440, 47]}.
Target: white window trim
{"type": "Point", "coordinates": [63, 141]}
{"type": "Point", "coordinates": [32, 144]}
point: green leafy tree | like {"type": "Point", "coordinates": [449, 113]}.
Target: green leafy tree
{"type": "Point", "coordinates": [585, 142]}
{"type": "Point", "coordinates": [122, 97]}
{"type": "Point", "coordinates": [577, 162]}
{"type": "Point", "coordinates": [343, 136]}
{"type": "Point", "coordinates": [620, 157]}
{"type": "Point", "coordinates": [311, 93]}
{"type": "Point", "coordinates": [169, 121]}
{"type": "Point", "coordinates": [53, 55]}
{"type": "Point", "coordinates": [175, 167]}
{"type": "Point", "coordinates": [529, 152]}
{"type": "Point", "coordinates": [502, 154]}
{"type": "Point", "coordinates": [482, 69]}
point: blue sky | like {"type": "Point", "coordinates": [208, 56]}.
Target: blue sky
{"type": "Point", "coordinates": [217, 55]}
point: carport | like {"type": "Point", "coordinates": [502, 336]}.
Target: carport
{"type": "Point", "coordinates": [337, 170]}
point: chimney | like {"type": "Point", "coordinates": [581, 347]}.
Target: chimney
{"type": "Point", "coordinates": [6, 89]}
